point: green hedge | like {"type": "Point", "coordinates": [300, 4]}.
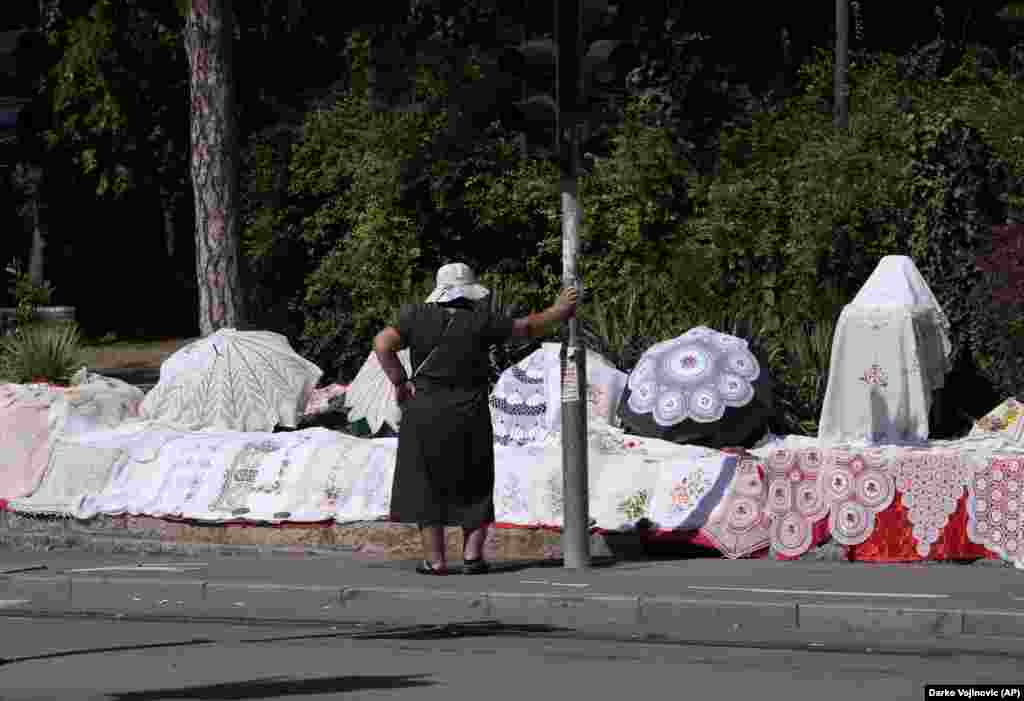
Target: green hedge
{"type": "Point", "coordinates": [770, 246]}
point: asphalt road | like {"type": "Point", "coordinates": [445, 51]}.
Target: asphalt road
{"type": "Point", "coordinates": [130, 661]}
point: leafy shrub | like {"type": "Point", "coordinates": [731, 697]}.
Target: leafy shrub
{"type": "Point", "coordinates": [957, 187]}
{"type": "Point", "coordinates": [27, 295]}
{"type": "Point", "coordinates": [41, 353]}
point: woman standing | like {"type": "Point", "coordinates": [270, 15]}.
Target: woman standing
{"type": "Point", "coordinates": [444, 474]}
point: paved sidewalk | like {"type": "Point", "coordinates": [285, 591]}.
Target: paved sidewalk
{"type": "Point", "coordinates": [705, 600]}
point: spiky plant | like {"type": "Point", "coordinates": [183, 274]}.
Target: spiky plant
{"type": "Point", "coordinates": [622, 328]}
{"type": "Point", "coordinates": [41, 352]}
{"type": "Point", "coordinates": [808, 354]}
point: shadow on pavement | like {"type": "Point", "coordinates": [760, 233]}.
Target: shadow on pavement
{"type": "Point", "coordinates": [279, 686]}
{"type": "Point", "coordinates": [473, 629]}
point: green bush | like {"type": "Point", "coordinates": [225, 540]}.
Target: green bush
{"type": "Point", "coordinates": [27, 295]}
{"type": "Point", "coordinates": [769, 247]}
{"type": "Point", "coordinates": [41, 352]}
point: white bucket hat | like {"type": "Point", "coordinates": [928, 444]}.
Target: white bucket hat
{"type": "Point", "coordinates": [456, 280]}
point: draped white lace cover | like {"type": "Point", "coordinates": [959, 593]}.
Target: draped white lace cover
{"type": "Point", "coordinates": [695, 376]}
{"type": "Point", "coordinates": [233, 381]}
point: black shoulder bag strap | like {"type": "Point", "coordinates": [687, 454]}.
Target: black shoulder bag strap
{"type": "Point", "coordinates": [447, 325]}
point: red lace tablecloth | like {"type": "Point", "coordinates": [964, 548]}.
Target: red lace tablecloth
{"type": "Point", "coordinates": [893, 541]}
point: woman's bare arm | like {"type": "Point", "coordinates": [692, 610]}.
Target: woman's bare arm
{"type": "Point", "coordinates": [386, 345]}
{"type": "Point", "coordinates": [536, 325]}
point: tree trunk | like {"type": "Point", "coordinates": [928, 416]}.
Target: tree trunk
{"type": "Point", "coordinates": [169, 208]}
{"type": "Point", "coordinates": [37, 258]}
{"type": "Point", "coordinates": [209, 36]}
{"type": "Point", "coordinates": [842, 87]}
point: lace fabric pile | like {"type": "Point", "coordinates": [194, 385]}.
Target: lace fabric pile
{"type": "Point", "coordinates": [526, 403]}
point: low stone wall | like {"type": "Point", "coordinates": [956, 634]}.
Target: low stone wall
{"type": "Point", "coordinates": [144, 534]}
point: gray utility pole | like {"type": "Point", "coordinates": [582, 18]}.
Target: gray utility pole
{"type": "Point", "coordinates": [576, 516]}
{"type": "Point", "coordinates": [842, 79]}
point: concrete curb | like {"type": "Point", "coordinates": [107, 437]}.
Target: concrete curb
{"type": "Point", "coordinates": [121, 544]}
{"type": "Point", "coordinates": [640, 616]}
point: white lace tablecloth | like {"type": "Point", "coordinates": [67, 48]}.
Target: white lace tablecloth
{"type": "Point", "coordinates": [886, 362]}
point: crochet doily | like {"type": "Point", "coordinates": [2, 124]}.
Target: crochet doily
{"type": "Point", "coordinates": [995, 494]}
{"type": "Point", "coordinates": [695, 376]}
{"type": "Point", "coordinates": [857, 486]}
{"type": "Point", "coordinates": [519, 403]}
{"type": "Point", "coordinates": [739, 525]}
{"type": "Point", "coordinates": [931, 483]}
{"type": "Point", "coordinates": [795, 499]}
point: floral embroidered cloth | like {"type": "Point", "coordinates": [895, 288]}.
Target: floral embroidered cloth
{"type": "Point", "coordinates": [890, 351]}
{"type": "Point", "coordinates": [1006, 419]}
{"type": "Point", "coordinates": [232, 381]}
{"type": "Point", "coordinates": [994, 507]}
{"type": "Point", "coordinates": [886, 362]}
{"type": "Point", "coordinates": [526, 403]}
{"type": "Point", "coordinates": [701, 386]}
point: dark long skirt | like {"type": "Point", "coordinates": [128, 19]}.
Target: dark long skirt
{"type": "Point", "coordinates": [445, 467]}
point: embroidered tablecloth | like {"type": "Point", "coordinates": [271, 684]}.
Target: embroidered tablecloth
{"type": "Point", "coordinates": [995, 496]}
{"type": "Point", "coordinates": [886, 362]}
{"type": "Point", "coordinates": [1006, 419]}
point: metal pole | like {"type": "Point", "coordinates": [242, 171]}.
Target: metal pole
{"type": "Point", "coordinates": [842, 85]}
{"type": "Point", "coordinates": [576, 516]}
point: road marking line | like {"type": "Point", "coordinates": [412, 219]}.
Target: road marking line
{"type": "Point", "coordinates": [11, 603]}
{"type": "Point", "coordinates": [134, 568]}
{"type": "Point", "coordinates": [533, 581]}
{"type": "Point", "coordinates": [566, 584]}
{"type": "Point", "coordinates": [896, 595]}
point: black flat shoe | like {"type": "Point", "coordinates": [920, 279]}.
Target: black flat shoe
{"type": "Point", "coordinates": [426, 568]}
{"type": "Point", "coordinates": [477, 566]}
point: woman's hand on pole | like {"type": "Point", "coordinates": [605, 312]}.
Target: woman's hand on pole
{"type": "Point", "coordinates": [566, 302]}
